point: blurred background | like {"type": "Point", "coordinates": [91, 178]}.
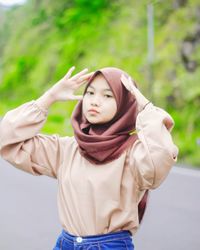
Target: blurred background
{"type": "Point", "coordinates": [156, 42]}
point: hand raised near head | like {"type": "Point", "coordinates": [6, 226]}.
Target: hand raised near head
{"type": "Point", "coordinates": [142, 101]}
{"type": "Point", "coordinates": [64, 89]}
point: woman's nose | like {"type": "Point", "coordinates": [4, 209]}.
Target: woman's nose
{"type": "Point", "coordinates": [95, 101]}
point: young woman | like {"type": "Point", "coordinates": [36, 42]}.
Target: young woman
{"type": "Point", "coordinates": [121, 148]}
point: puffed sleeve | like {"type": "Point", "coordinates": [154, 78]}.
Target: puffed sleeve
{"type": "Point", "coordinates": [154, 153]}
{"type": "Point", "coordinates": [23, 146]}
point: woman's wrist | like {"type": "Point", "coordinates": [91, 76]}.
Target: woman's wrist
{"type": "Point", "coordinates": [146, 105]}
{"type": "Point", "coordinates": [142, 106]}
{"type": "Point", "coordinates": [46, 100]}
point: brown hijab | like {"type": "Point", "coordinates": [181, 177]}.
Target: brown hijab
{"type": "Point", "coordinates": [102, 143]}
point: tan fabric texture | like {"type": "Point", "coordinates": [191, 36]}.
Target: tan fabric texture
{"type": "Point", "coordinates": [91, 199]}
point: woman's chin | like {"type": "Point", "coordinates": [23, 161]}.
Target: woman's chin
{"type": "Point", "coordinates": [92, 121]}
{"type": "Point", "coordinates": [96, 120]}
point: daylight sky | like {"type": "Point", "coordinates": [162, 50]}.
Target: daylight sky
{"type": "Point", "coordinates": [11, 2]}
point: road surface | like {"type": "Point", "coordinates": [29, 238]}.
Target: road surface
{"type": "Point", "coordinates": [29, 218]}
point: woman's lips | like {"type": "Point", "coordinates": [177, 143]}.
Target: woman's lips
{"type": "Point", "coordinates": [93, 111]}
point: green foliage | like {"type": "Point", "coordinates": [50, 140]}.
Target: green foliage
{"type": "Point", "coordinates": [42, 39]}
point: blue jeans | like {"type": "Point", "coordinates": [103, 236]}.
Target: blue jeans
{"type": "Point", "coordinates": [119, 241]}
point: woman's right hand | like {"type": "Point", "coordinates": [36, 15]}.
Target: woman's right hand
{"type": "Point", "coordinates": [64, 89]}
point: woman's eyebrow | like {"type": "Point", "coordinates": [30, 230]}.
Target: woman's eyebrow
{"type": "Point", "coordinates": [103, 89]}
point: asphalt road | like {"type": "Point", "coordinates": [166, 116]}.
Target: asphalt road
{"type": "Point", "coordinates": [29, 218]}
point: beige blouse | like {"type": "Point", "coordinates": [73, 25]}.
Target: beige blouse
{"type": "Point", "coordinates": [91, 199]}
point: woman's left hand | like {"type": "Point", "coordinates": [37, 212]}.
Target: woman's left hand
{"type": "Point", "coordinates": [129, 85]}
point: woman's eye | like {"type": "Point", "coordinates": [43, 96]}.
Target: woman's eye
{"type": "Point", "coordinates": [89, 92]}
{"type": "Point", "coordinates": [108, 96]}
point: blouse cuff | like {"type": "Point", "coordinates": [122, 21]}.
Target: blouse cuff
{"type": "Point", "coordinates": [151, 114]}
{"type": "Point", "coordinates": [40, 108]}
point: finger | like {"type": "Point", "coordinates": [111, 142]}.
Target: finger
{"type": "Point", "coordinates": [126, 85]}
{"type": "Point", "coordinates": [124, 78]}
{"type": "Point", "coordinates": [69, 72]}
{"type": "Point", "coordinates": [130, 80]}
{"type": "Point", "coordinates": [85, 77]}
{"type": "Point", "coordinates": [129, 86]}
{"type": "Point", "coordinates": [125, 82]}
{"type": "Point", "coordinates": [75, 97]}
{"type": "Point", "coordinates": [78, 97]}
{"type": "Point", "coordinates": [132, 84]}
{"type": "Point", "coordinates": [79, 74]}
{"type": "Point", "coordinates": [80, 83]}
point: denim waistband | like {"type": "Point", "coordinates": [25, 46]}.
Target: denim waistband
{"type": "Point", "coordinates": [99, 237]}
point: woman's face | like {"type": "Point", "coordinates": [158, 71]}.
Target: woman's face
{"type": "Point", "coordinates": [99, 104]}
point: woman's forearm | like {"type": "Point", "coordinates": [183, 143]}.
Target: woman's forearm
{"type": "Point", "coordinates": [46, 100]}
